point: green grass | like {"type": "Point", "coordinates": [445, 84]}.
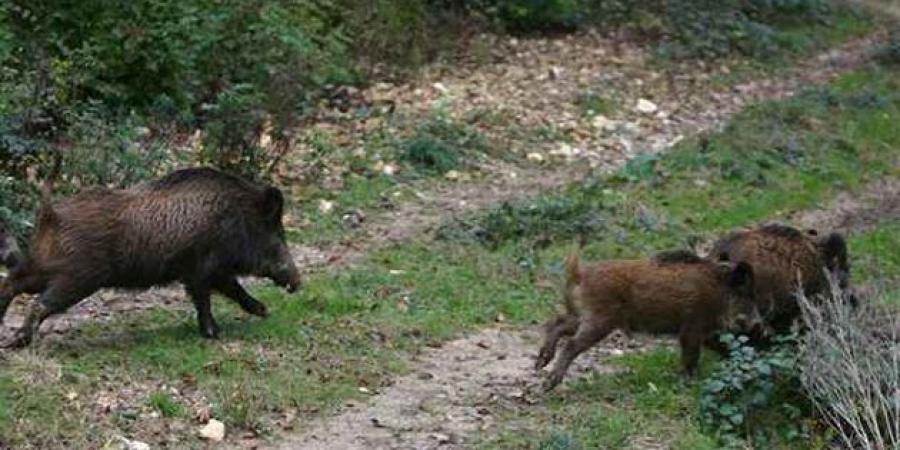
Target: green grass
{"type": "Point", "coordinates": [165, 404]}
{"type": "Point", "coordinates": [591, 104]}
{"type": "Point", "coordinates": [876, 254]}
{"type": "Point", "coordinates": [368, 194]}
{"type": "Point", "coordinates": [358, 328]}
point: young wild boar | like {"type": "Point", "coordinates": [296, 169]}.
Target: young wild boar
{"type": "Point", "coordinates": [785, 259]}
{"type": "Point", "coordinates": [200, 226]}
{"type": "Point", "coordinates": [675, 292]}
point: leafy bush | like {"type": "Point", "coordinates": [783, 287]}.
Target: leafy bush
{"type": "Point", "coordinates": [108, 152]}
{"type": "Point", "coordinates": [534, 15]}
{"type": "Point", "coordinates": [747, 385]}
{"type": "Point", "coordinates": [549, 218]}
{"type": "Point", "coordinates": [712, 28]}
{"type": "Point", "coordinates": [850, 370]}
{"type": "Point", "coordinates": [17, 201]}
{"type": "Point", "coordinates": [441, 144]}
{"type": "Point", "coordinates": [196, 62]}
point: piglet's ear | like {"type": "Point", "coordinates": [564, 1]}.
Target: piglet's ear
{"type": "Point", "coordinates": [273, 204]}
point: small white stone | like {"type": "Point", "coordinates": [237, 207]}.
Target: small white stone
{"type": "Point", "coordinates": [646, 106]}
{"type": "Point", "coordinates": [213, 431]}
{"type": "Point", "coordinates": [564, 149]}
{"type": "Point", "coordinates": [325, 206]}
{"type": "Point", "coordinates": [440, 88]}
{"type": "Point", "coordinates": [128, 444]}
{"type": "Point", "coordinates": [602, 122]}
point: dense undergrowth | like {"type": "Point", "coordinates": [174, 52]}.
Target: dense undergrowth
{"type": "Point", "coordinates": [116, 88]}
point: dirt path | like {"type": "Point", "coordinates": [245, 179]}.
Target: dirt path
{"type": "Point", "coordinates": [454, 392]}
{"type": "Point", "coordinates": [877, 203]}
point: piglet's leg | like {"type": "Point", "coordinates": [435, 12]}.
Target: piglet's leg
{"type": "Point", "coordinates": [562, 326]}
{"type": "Point", "coordinates": [590, 331]}
{"type": "Point", "coordinates": [691, 340]}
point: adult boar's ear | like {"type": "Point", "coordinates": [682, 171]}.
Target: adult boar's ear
{"type": "Point", "coordinates": [834, 251]}
{"type": "Point", "coordinates": [741, 277]}
{"type": "Point", "coordinates": [273, 204]}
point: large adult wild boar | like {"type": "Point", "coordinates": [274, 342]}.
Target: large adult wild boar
{"type": "Point", "coordinates": [788, 261]}
{"type": "Point", "coordinates": [201, 227]}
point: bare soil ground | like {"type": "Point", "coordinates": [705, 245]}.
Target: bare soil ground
{"type": "Point", "coordinates": [878, 203]}
{"type": "Point", "coordinates": [454, 393]}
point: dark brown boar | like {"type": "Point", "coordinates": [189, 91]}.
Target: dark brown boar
{"type": "Point", "coordinates": [201, 227]}
{"type": "Point", "coordinates": [786, 259]}
{"type": "Point", "coordinates": [675, 292]}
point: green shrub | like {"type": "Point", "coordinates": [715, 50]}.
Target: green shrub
{"type": "Point", "coordinates": [191, 62]}
{"type": "Point", "coordinates": [750, 384]}
{"type": "Point", "coordinates": [441, 144]}
{"type": "Point", "coordinates": [115, 153]}
{"type": "Point", "coordinates": [712, 28]}
{"type": "Point", "coordinates": [535, 15]}
{"type": "Point", "coordinates": [546, 219]}
{"type": "Point", "coordinates": [18, 200]}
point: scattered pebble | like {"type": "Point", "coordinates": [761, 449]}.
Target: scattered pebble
{"type": "Point", "coordinates": [214, 430]}
{"type": "Point", "coordinates": [646, 106]}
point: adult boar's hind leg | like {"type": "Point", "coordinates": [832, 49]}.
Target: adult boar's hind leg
{"type": "Point", "coordinates": [57, 298]}
{"type": "Point", "coordinates": [231, 288]}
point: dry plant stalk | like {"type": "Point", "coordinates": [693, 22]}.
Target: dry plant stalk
{"type": "Point", "coordinates": [850, 368]}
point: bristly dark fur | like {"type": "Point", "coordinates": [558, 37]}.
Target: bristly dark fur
{"type": "Point", "coordinates": [201, 227]}
{"type": "Point", "coordinates": [680, 256]}
{"type": "Point", "coordinates": [785, 256]}
{"type": "Point", "coordinates": [781, 230]}
{"type": "Point", "coordinates": [723, 248]}
{"type": "Point", "coordinates": [195, 174]}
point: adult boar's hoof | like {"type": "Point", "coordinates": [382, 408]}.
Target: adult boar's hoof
{"type": "Point", "coordinates": [256, 308]}
{"type": "Point", "coordinates": [210, 331]}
